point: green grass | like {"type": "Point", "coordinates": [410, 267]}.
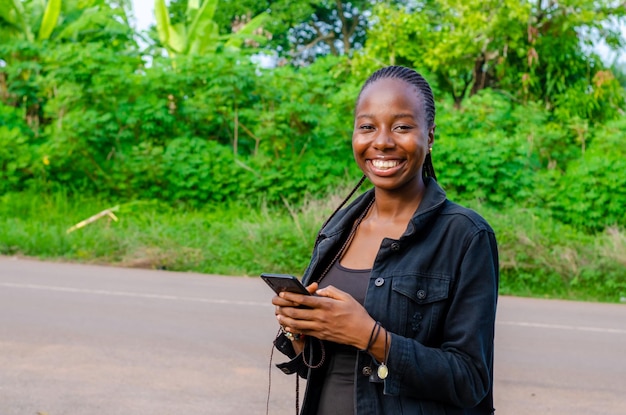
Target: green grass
{"type": "Point", "coordinates": [545, 258]}
{"type": "Point", "coordinates": [229, 240]}
{"type": "Point", "coordinates": [538, 256]}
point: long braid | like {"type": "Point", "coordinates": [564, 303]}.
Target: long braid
{"type": "Point", "coordinates": [345, 200]}
{"type": "Point", "coordinates": [426, 93]}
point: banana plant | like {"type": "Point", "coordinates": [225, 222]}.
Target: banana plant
{"type": "Point", "coordinates": [12, 19]}
{"type": "Point", "coordinates": [15, 21]}
{"type": "Point", "coordinates": [199, 34]}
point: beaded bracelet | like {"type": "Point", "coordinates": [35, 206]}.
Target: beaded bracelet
{"type": "Point", "coordinates": [373, 336]}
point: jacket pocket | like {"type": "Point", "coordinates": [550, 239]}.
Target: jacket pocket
{"type": "Point", "coordinates": [423, 299]}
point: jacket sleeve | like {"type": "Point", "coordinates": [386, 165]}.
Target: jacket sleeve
{"type": "Point", "coordinates": [458, 371]}
{"type": "Point", "coordinates": [296, 362]}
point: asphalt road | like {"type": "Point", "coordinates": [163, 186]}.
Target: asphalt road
{"type": "Point", "coordinates": [86, 340]}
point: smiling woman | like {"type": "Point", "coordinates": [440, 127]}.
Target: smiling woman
{"type": "Point", "coordinates": [405, 281]}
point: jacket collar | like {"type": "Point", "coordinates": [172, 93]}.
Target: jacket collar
{"type": "Point", "coordinates": [432, 202]}
{"type": "Point", "coordinates": [430, 206]}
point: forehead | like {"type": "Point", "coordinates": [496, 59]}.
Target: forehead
{"type": "Point", "coordinates": [390, 93]}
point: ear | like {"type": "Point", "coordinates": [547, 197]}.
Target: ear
{"type": "Point", "coordinates": [431, 136]}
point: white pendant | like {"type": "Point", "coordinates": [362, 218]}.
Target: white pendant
{"type": "Point", "coordinates": [382, 371]}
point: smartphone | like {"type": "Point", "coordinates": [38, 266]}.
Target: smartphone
{"type": "Point", "coordinates": [284, 282]}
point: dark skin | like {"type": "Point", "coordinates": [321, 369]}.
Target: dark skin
{"type": "Point", "coordinates": [390, 141]}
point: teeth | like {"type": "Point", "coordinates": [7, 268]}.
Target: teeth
{"type": "Point", "coordinates": [385, 164]}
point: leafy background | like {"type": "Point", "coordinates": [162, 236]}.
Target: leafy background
{"type": "Point", "coordinates": [220, 164]}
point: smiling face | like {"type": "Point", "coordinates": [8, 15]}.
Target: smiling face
{"type": "Point", "coordinates": [391, 137]}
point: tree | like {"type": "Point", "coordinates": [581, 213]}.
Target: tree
{"type": "Point", "coordinates": [30, 30]}
{"type": "Point", "coordinates": [560, 68]}
{"type": "Point", "coordinates": [531, 50]}
{"type": "Point", "coordinates": [299, 30]}
{"type": "Point", "coordinates": [63, 20]}
{"type": "Point", "coordinates": [332, 27]}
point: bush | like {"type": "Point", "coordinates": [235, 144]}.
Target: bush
{"type": "Point", "coordinates": [591, 194]}
{"type": "Point", "coordinates": [481, 154]}
{"type": "Point", "coordinates": [16, 151]}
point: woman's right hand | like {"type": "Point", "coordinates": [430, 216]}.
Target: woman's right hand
{"type": "Point", "coordinates": [279, 303]}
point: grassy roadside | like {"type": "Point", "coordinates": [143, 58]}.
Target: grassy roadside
{"type": "Point", "coordinates": [539, 257]}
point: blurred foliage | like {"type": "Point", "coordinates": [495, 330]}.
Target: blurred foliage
{"type": "Point", "coordinates": [85, 111]}
{"type": "Point", "coordinates": [591, 193]}
{"type": "Point", "coordinates": [510, 46]}
{"type": "Point", "coordinates": [196, 32]}
{"type": "Point", "coordinates": [301, 31]}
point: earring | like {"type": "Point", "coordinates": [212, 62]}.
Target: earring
{"type": "Point", "coordinates": [430, 149]}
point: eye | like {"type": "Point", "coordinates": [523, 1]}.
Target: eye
{"type": "Point", "coordinates": [366, 127]}
{"type": "Point", "coordinates": [403, 127]}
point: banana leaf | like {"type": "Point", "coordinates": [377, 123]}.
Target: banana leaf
{"type": "Point", "coordinates": [50, 19]}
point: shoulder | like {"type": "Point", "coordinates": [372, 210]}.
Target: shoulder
{"type": "Point", "coordinates": [464, 217]}
{"type": "Point", "coordinates": [464, 231]}
{"type": "Point", "coordinates": [436, 202]}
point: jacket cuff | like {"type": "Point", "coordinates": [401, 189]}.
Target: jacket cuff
{"type": "Point", "coordinates": [292, 366]}
{"type": "Point", "coordinates": [283, 344]}
{"type": "Point", "coordinates": [296, 364]}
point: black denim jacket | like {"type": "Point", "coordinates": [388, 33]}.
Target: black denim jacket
{"type": "Point", "coordinates": [435, 290]}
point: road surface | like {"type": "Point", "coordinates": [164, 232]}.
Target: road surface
{"type": "Point", "coordinates": [86, 340]}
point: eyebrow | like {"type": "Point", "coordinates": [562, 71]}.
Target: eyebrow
{"type": "Point", "coordinates": [395, 116]}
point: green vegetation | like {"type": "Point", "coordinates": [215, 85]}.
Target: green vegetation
{"type": "Point", "coordinates": [235, 241]}
{"type": "Point", "coordinates": [222, 166]}
{"type": "Point", "coordinates": [539, 256]}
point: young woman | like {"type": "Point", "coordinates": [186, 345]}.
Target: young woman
{"type": "Point", "coordinates": [405, 282]}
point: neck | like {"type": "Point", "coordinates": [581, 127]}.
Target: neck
{"type": "Point", "coordinates": [398, 204]}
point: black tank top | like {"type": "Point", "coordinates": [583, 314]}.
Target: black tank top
{"type": "Point", "coordinates": [352, 281]}
{"type": "Point", "coordinates": [337, 396]}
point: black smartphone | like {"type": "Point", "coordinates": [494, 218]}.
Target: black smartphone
{"type": "Point", "coordinates": [284, 282]}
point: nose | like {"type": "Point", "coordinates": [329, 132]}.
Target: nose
{"type": "Point", "coordinates": [383, 140]}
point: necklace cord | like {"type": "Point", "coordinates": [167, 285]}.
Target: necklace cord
{"type": "Point", "coordinates": [348, 240]}
{"type": "Point", "coordinates": [269, 377]}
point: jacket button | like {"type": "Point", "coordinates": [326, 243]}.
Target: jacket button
{"type": "Point", "coordinates": [379, 281]}
{"type": "Point", "coordinates": [395, 246]}
{"type": "Point", "coordinates": [421, 294]}
{"type": "Point", "coordinates": [366, 371]}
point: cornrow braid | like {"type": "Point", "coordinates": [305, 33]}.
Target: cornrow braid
{"type": "Point", "coordinates": [425, 92]}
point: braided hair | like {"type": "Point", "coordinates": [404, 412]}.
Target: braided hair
{"type": "Point", "coordinates": [424, 91]}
